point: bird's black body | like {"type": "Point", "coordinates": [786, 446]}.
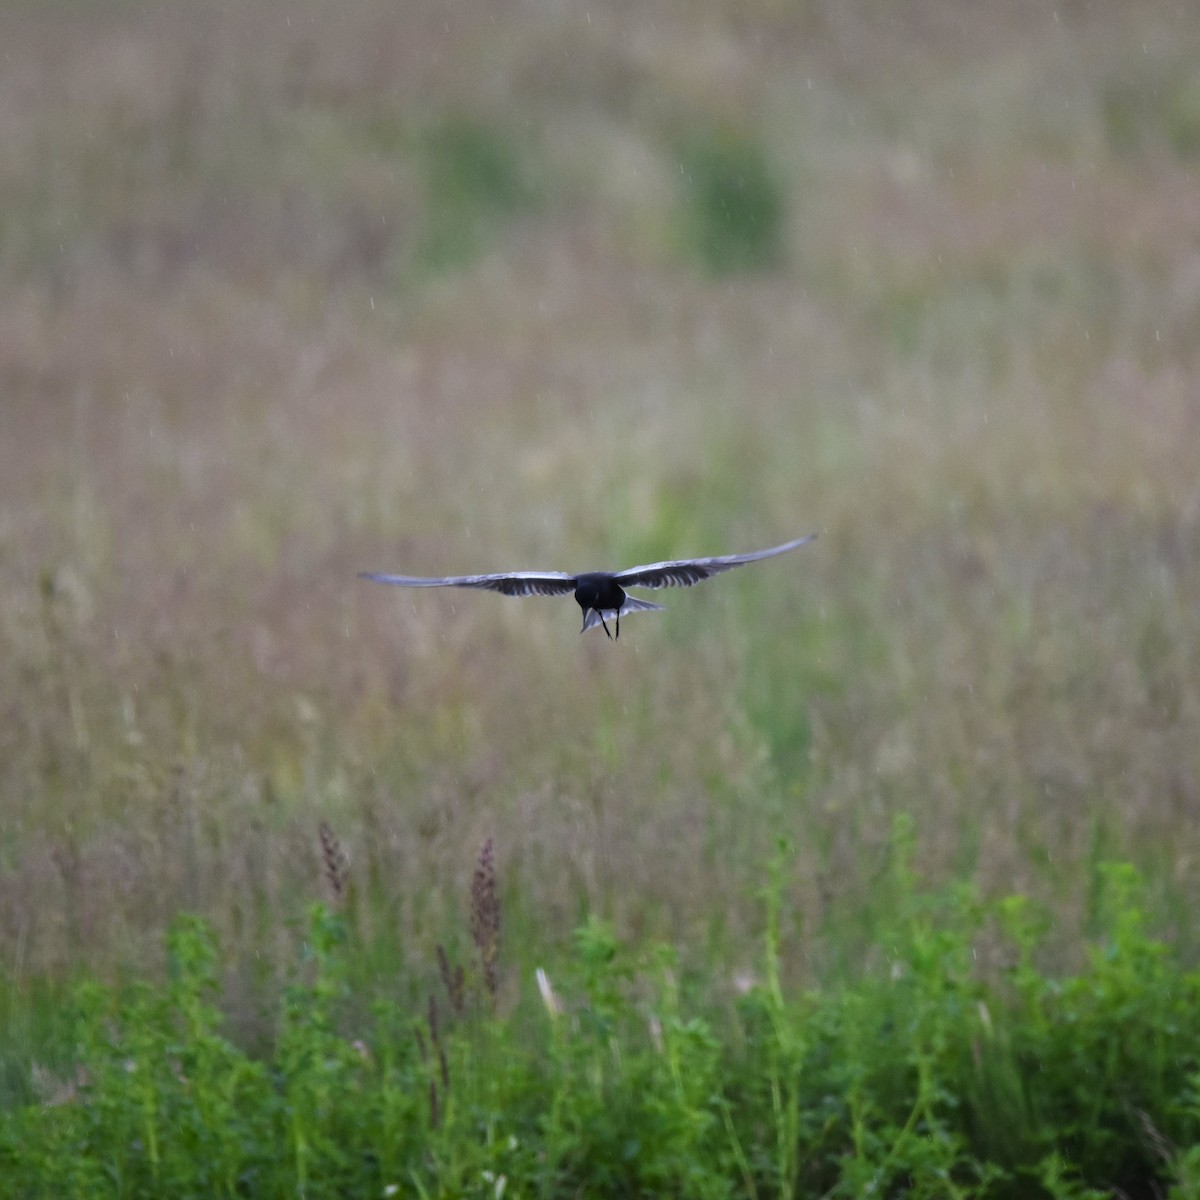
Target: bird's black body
{"type": "Point", "coordinates": [598, 593]}
{"type": "Point", "coordinates": [598, 589]}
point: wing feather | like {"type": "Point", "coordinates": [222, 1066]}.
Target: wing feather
{"type": "Point", "coordinates": [688, 571]}
{"type": "Point", "coordinates": [516, 583]}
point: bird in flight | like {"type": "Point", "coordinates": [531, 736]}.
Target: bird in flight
{"type": "Point", "coordinates": [600, 594]}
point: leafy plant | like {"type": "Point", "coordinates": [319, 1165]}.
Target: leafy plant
{"type": "Point", "coordinates": [476, 181]}
{"type": "Point", "coordinates": [733, 206]}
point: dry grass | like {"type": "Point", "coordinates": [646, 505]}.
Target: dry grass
{"type": "Point", "coordinates": [231, 376]}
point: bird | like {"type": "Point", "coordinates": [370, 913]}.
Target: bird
{"type": "Point", "coordinates": [599, 593]}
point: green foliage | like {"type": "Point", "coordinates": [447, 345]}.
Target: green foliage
{"type": "Point", "coordinates": [925, 1076]}
{"type": "Point", "coordinates": [733, 206]}
{"type": "Point", "coordinates": [1156, 111]}
{"type": "Point", "coordinates": [475, 182]}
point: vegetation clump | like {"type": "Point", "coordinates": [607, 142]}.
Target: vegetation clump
{"type": "Point", "coordinates": [734, 207]}
{"type": "Point", "coordinates": [953, 1067]}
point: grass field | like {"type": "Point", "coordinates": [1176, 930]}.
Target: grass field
{"type": "Point", "coordinates": [289, 292]}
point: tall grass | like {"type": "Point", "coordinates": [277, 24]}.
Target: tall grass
{"type": "Point", "coordinates": [283, 299]}
{"type": "Point", "coordinates": [951, 1067]}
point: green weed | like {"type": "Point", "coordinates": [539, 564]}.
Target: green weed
{"type": "Point", "coordinates": [733, 206]}
{"type": "Point", "coordinates": [1155, 111]}
{"type": "Point", "coordinates": [476, 181]}
{"type": "Point", "coordinates": [929, 1075]}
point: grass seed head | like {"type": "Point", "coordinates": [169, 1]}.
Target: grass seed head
{"type": "Point", "coordinates": [485, 916]}
{"type": "Point", "coordinates": [452, 980]}
{"type": "Point", "coordinates": [334, 860]}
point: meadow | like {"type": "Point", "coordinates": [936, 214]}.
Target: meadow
{"type": "Point", "coordinates": [872, 868]}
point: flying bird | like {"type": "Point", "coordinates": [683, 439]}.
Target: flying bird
{"type": "Point", "coordinates": [599, 593]}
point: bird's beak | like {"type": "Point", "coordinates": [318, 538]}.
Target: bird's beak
{"type": "Point", "coordinates": [585, 621]}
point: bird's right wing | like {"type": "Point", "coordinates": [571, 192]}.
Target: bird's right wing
{"type": "Point", "coordinates": [687, 571]}
{"type": "Point", "coordinates": [516, 583]}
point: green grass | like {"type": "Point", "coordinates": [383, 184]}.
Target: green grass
{"type": "Point", "coordinates": [733, 207]}
{"type": "Point", "coordinates": [476, 183]}
{"type": "Point", "coordinates": [283, 300]}
{"type": "Point", "coordinates": [952, 1066]}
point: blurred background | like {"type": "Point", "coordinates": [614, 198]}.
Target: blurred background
{"type": "Point", "coordinates": [290, 291]}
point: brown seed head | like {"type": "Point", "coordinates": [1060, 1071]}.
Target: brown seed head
{"type": "Point", "coordinates": [485, 916]}
{"type": "Point", "coordinates": [334, 860]}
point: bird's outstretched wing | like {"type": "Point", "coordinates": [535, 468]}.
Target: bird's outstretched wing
{"type": "Point", "coordinates": [516, 583]}
{"type": "Point", "coordinates": [688, 571]}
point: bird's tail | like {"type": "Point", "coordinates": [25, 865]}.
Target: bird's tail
{"type": "Point", "coordinates": [631, 604]}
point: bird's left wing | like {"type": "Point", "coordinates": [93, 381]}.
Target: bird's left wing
{"type": "Point", "coordinates": [688, 571]}
{"type": "Point", "coordinates": [516, 583]}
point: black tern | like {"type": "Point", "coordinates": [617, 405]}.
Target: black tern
{"type": "Point", "coordinates": [599, 593]}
